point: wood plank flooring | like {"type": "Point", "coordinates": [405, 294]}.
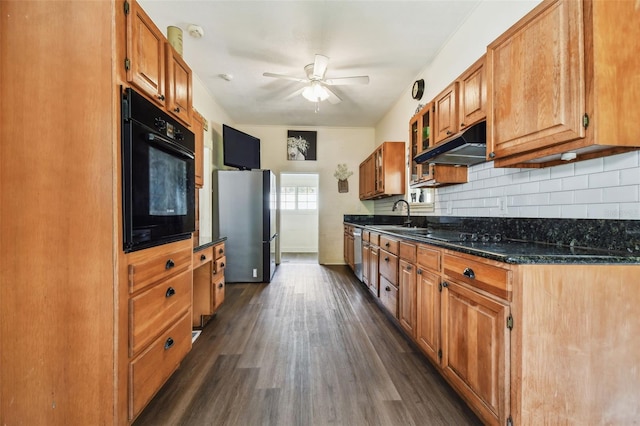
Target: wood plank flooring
{"type": "Point", "coordinates": [311, 348]}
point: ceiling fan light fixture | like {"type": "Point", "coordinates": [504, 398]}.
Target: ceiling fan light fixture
{"type": "Point", "coordinates": [315, 92]}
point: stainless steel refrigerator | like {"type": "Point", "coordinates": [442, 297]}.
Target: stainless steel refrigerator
{"type": "Point", "coordinates": [244, 210]}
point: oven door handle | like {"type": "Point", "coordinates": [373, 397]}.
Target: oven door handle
{"type": "Point", "coordinates": [169, 144]}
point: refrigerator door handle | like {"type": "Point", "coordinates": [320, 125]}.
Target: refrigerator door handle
{"type": "Point", "coordinates": [273, 237]}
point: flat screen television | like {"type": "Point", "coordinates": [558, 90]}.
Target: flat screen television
{"type": "Point", "coordinates": [240, 149]}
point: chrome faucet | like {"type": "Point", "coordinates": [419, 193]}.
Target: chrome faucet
{"type": "Point", "coordinates": [395, 207]}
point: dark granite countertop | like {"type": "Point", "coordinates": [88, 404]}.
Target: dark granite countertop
{"type": "Point", "coordinates": [529, 241]}
{"type": "Point", "coordinates": [202, 243]}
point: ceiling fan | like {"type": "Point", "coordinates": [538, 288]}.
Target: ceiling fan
{"type": "Point", "coordinates": [316, 89]}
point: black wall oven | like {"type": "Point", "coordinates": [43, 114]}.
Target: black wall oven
{"type": "Point", "coordinates": [158, 184]}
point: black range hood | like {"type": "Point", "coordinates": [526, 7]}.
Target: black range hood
{"type": "Point", "coordinates": [466, 148]}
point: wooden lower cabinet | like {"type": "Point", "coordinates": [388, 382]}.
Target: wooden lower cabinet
{"type": "Point", "coordinates": [208, 283]}
{"type": "Point", "coordinates": [366, 257]}
{"type": "Point", "coordinates": [389, 296]}
{"type": "Point", "coordinates": [374, 279]}
{"type": "Point", "coordinates": [428, 313]}
{"type": "Point", "coordinates": [475, 349]}
{"type": "Point", "coordinates": [408, 297]}
{"type": "Point", "coordinates": [149, 371]}
{"type": "Point", "coordinates": [160, 312]}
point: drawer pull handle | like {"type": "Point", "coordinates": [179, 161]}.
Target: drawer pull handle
{"type": "Point", "coordinates": [221, 251]}
{"type": "Point", "coordinates": [387, 288]}
{"type": "Point", "coordinates": [220, 285]}
{"type": "Point", "coordinates": [419, 271]}
{"type": "Point", "coordinates": [386, 259]}
{"type": "Point", "coordinates": [445, 284]}
{"type": "Point", "coordinates": [408, 267]}
{"type": "Point", "coordinates": [468, 272]}
{"type": "Point", "coordinates": [203, 257]}
{"type": "Point", "coordinates": [170, 264]}
{"type": "Point", "coordinates": [222, 264]}
{"type": "Point", "coordinates": [386, 244]}
{"type": "Point", "coordinates": [177, 109]}
{"type": "Point", "coordinates": [159, 96]}
{"type": "Point", "coordinates": [170, 292]}
{"type": "Point", "coordinates": [168, 344]}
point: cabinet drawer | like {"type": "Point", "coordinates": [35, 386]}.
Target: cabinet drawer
{"type": "Point", "coordinates": [150, 370]}
{"type": "Point", "coordinates": [429, 258]}
{"type": "Point", "coordinates": [202, 256]}
{"type": "Point", "coordinates": [374, 238]}
{"type": "Point", "coordinates": [218, 285]}
{"type": "Point", "coordinates": [218, 250]}
{"type": "Point", "coordinates": [389, 244]}
{"type": "Point", "coordinates": [149, 271]}
{"type": "Point", "coordinates": [154, 310]}
{"type": "Point", "coordinates": [408, 251]}
{"type": "Point", "coordinates": [388, 266]}
{"type": "Point", "coordinates": [489, 278]}
{"type": "Point", "coordinates": [389, 296]}
{"type": "Point", "coordinates": [366, 235]}
{"type": "Point", "coordinates": [218, 267]}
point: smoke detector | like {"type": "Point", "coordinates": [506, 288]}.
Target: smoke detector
{"type": "Point", "coordinates": [195, 31]}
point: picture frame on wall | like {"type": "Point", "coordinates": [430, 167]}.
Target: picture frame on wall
{"type": "Point", "coordinates": [301, 145]}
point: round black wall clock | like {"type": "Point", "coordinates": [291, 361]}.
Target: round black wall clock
{"type": "Point", "coordinates": [418, 89]}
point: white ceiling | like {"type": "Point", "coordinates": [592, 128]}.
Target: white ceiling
{"type": "Point", "coordinates": [390, 41]}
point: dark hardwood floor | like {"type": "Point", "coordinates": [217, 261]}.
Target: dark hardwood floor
{"type": "Point", "coordinates": [311, 348]}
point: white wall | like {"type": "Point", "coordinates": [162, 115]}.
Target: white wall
{"type": "Point", "coordinates": [299, 228]}
{"type": "Point", "coordinates": [204, 103]}
{"type": "Point", "coordinates": [334, 146]}
{"type": "Point", "coordinates": [604, 188]}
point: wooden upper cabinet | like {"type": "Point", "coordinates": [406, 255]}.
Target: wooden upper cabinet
{"type": "Point", "coordinates": [560, 81]}
{"type": "Point", "coordinates": [382, 174]}
{"type": "Point", "coordinates": [537, 80]}
{"type": "Point", "coordinates": [179, 96]}
{"type": "Point", "coordinates": [198, 131]}
{"type": "Point", "coordinates": [145, 54]}
{"type": "Point", "coordinates": [446, 115]}
{"type": "Point", "coordinates": [472, 86]}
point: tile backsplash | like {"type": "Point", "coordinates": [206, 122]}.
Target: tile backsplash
{"type": "Point", "coordinates": [602, 188]}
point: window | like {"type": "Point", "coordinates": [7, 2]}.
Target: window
{"type": "Point", "coordinates": [298, 198]}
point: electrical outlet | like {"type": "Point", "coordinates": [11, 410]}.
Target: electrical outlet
{"type": "Point", "coordinates": [449, 207]}
{"type": "Point", "coordinates": [502, 204]}
{"type": "Point", "coordinates": [255, 273]}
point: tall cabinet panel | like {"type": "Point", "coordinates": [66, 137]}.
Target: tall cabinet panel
{"type": "Point", "coordinates": [60, 242]}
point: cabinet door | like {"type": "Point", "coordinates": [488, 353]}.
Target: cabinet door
{"type": "Point", "coordinates": [475, 349]}
{"type": "Point", "coordinates": [428, 313]}
{"type": "Point", "coordinates": [365, 262]}
{"type": "Point", "coordinates": [198, 131]}
{"type": "Point", "coordinates": [473, 95]}
{"type": "Point", "coordinates": [178, 85]}
{"type": "Point", "coordinates": [407, 294]}
{"type": "Point", "coordinates": [145, 52]}
{"type": "Point", "coordinates": [374, 279]}
{"type": "Point", "coordinates": [218, 286]}
{"type": "Point", "coordinates": [537, 82]}
{"type": "Point", "coordinates": [362, 192]}
{"type": "Point", "coordinates": [446, 116]}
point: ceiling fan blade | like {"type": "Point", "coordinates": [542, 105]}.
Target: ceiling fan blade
{"type": "Point", "coordinates": [285, 77]}
{"type": "Point", "coordinates": [333, 98]}
{"type": "Point", "coordinates": [344, 81]}
{"type": "Point", "coordinates": [294, 94]}
{"type": "Point", "coordinates": [320, 66]}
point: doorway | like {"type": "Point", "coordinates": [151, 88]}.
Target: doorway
{"type": "Point", "coordinates": [299, 217]}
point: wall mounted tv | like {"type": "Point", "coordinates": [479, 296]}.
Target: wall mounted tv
{"type": "Point", "coordinates": [240, 149]}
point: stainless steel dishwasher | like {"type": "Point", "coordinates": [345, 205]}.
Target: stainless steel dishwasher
{"type": "Point", "coordinates": [357, 252]}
